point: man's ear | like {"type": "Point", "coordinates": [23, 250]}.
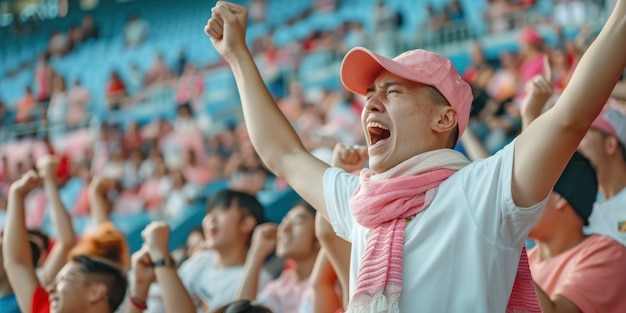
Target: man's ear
{"type": "Point", "coordinates": [97, 292]}
{"type": "Point", "coordinates": [447, 120]}
{"type": "Point", "coordinates": [562, 203]}
{"type": "Point", "coordinates": [611, 145]}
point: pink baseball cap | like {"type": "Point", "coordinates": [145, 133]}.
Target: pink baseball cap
{"type": "Point", "coordinates": [360, 67]}
{"type": "Point", "coordinates": [613, 122]}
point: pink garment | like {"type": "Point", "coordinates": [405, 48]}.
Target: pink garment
{"type": "Point", "coordinates": [383, 203]}
{"type": "Point", "coordinates": [591, 275]}
{"type": "Point", "coordinates": [42, 82]}
{"type": "Point", "coordinates": [528, 70]}
{"type": "Point", "coordinates": [190, 87]}
{"type": "Point", "coordinates": [286, 293]}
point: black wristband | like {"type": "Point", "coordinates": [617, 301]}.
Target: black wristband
{"type": "Point", "coordinates": [167, 261]}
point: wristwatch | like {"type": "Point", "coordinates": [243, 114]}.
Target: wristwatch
{"type": "Point", "coordinates": [166, 261]}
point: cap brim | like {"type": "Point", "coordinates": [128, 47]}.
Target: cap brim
{"type": "Point", "coordinates": [360, 67]}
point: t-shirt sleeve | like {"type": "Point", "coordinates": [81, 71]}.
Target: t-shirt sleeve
{"type": "Point", "coordinates": [339, 186]}
{"type": "Point", "coordinates": [40, 302]}
{"type": "Point", "coordinates": [598, 282]}
{"type": "Point", "coordinates": [486, 185]}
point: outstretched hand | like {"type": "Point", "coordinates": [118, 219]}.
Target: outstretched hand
{"type": "Point", "coordinates": [538, 92]}
{"type": "Point", "coordinates": [142, 271]}
{"type": "Point", "coordinates": [264, 240]}
{"type": "Point", "coordinates": [47, 165]}
{"type": "Point", "coordinates": [349, 158]}
{"type": "Point", "coordinates": [101, 185]}
{"type": "Point", "coordinates": [156, 238]}
{"type": "Point", "coordinates": [27, 183]}
{"type": "Point", "coordinates": [227, 28]}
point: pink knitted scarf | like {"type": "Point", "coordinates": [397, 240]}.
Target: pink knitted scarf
{"type": "Point", "coordinates": [382, 203]}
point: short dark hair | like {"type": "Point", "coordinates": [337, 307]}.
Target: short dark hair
{"type": "Point", "coordinates": [35, 252]}
{"type": "Point", "coordinates": [622, 149]}
{"type": "Point", "coordinates": [242, 306]}
{"type": "Point", "coordinates": [109, 274]}
{"type": "Point", "coordinates": [247, 203]}
{"type": "Point", "coordinates": [44, 238]}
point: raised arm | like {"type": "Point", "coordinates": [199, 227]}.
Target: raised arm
{"type": "Point", "coordinates": [15, 247]}
{"type": "Point", "coordinates": [324, 282]}
{"type": "Point", "coordinates": [140, 278]}
{"type": "Point", "coordinates": [61, 220]}
{"type": "Point", "coordinates": [263, 244]}
{"type": "Point", "coordinates": [619, 92]}
{"type": "Point", "coordinates": [98, 204]}
{"type": "Point", "coordinates": [473, 146]}
{"type": "Point", "coordinates": [175, 296]}
{"type": "Point", "coordinates": [544, 148]}
{"type": "Point", "coordinates": [271, 133]}
{"type": "Point", "coordinates": [538, 92]}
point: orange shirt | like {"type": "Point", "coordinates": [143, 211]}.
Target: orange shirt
{"type": "Point", "coordinates": [591, 275]}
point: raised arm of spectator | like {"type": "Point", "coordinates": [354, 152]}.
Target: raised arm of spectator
{"type": "Point", "coordinates": [175, 297]}
{"type": "Point", "coordinates": [546, 145]}
{"type": "Point", "coordinates": [47, 166]}
{"type": "Point", "coordinates": [15, 247]}
{"type": "Point", "coordinates": [557, 305]}
{"type": "Point", "coordinates": [140, 278]}
{"type": "Point", "coordinates": [619, 92]}
{"type": "Point", "coordinates": [271, 133]}
{"type": "Point", "coordinates": [98, 203]}
{"type": "Point", "coordinates": [337, 250]}
{"type": "Point", "coordinates": [473, 146]}
{"type": "Point", "coordinates": [324, 282]}
{"type": "Point", "coordinates": [263, 244]}
{"type": "Point", "coordinates": [538, 92]}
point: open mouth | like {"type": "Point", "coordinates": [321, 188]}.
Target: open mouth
{"type": "Point", "coordinates": [377, 132]}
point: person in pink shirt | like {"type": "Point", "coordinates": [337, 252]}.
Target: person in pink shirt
{"type": "Point", "coordinates": [574, 272]}
{"type": "Point", "coordinates": [295, 240]}
{"type": "Point", "coordinates": [532, 52]}
{"type": "Point", "coordinates": [190, 87]}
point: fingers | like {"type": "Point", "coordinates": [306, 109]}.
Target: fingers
{"type": "Point", "coordinates": [102, 184]}
{"type": "Point", "coordinates": [547, 69]}
{"type": "Point", "coordinates": [141, 257]}
{"type": "Point", "coordinates": [215, 27]}
{"type": "Point", "coordinates": [539, 85]}
{"type": "Point", "coordinates": [31, 179]}
{"type": "Point", "coordinates": [349, 154]}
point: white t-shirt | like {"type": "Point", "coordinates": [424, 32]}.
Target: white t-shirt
{"type": "Point", "coordinates": [461, 253]}
{"type": "Point", "coordinates": [214, 286]}
{"type": "Point", "coordinates": [608, 218]}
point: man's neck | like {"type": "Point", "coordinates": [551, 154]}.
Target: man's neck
{"type": "Point", "coordinates": [558, 243]}
{"type": "Point", "coordinates": [5, 288]}
{"type": "Point", "coordinates": [304, 267]}
{"type": "Point", "coordinates": [614, 179]}
{"type": "Point", "coordinates": [230, 256]}
{"type": "Point", "coordinates": [100, 307]}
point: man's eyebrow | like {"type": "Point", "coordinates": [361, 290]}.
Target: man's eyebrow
{"type": "Point", "coordinates": [385, 85]}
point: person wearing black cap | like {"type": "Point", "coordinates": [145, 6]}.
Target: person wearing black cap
{"type": "Point", "coordinates": [574, 272]}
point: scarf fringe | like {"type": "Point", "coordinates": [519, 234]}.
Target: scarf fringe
{"type": "Point", "coordinates": [376, 304]}
{"type": "Point", "coordinates": [517, 310]}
